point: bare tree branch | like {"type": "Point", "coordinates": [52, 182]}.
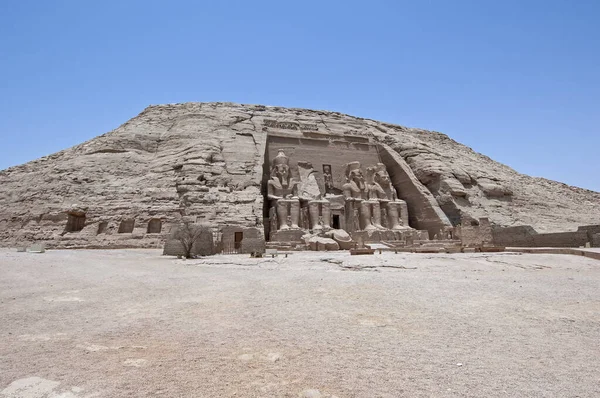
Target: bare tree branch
{"type": "Point", "coordinates": [188, 234]}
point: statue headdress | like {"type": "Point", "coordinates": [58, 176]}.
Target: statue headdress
{"type": "Point", "coordinates": [281, 158]}
{"type": "Point", "coordinates": [351, 167]}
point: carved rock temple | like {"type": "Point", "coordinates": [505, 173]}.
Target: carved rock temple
{"type": "Point", "coordinates": [330, 182]}
{"type": "Point", "coordinates": [284, 178]}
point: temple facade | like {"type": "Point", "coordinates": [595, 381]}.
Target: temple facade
{"type": "Point", "coordinates": [315, 183]}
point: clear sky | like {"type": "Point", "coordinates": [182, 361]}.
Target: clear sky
{"type": "Point", "coordinates": [517, 80]}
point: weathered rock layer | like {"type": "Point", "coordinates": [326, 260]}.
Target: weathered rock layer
{"type": "Point", "coordinates": [204, 162]}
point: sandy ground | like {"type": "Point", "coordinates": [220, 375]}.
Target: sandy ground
{"type": "Point", "coordinates": [132, 323]}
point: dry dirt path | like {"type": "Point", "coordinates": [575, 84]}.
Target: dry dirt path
{"type": "Point", "coordinates": [132, 323]}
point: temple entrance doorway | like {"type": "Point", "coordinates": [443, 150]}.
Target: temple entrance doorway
{"type": "Point", "coordinates": [237, 240]}
{"type": "Point", "coordinates": [336, 221]}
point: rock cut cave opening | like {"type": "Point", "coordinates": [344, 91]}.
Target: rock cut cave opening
{"type": "Point", "coordinates": [126, 226]}
{"type": "Point", "coordinates": [75, 222]}
{"type": "Point", "coordinates": [154, 226]}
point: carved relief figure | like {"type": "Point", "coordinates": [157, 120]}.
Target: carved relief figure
{"type": "Point", "coordinates": [308, 188]}
{"type": "Point", "coordinates": [328, 179]}
{"type": "Point", "coordinates": [282, 191]}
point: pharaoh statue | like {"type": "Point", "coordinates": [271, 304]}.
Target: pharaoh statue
{"type": "Point", "coordinates": [282, 193]}
{"type": "Point", "coordinates": [354, 188]}
{"type": "Point", "coordinates": [375, 194]}
{"type": "Point", "coordinates": [319, 209]}
{"type": "Point", "coordinates": [395, 209]}
{"type": "Point", "coordinates": [356, 195]}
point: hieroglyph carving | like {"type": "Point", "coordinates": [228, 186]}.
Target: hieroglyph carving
{"type": "Point", "coordinates": [289, 125]}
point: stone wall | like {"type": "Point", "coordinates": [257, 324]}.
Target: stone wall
{"type": "Point", "coordinates": [253, 245]}
{"type": "Point", "coordinates": [592, 232]}
{"type": "Point", "coordinates": [476, 235]}
{"type": "Point", "coordinates": [513, 236]}
{"type": "Point", "coordinates": [595, 240]}
{"type": "Point", "coordinates": [252, 239]}
{"type": "Point", "coordinates": [526, 236]}
{"type": "Point", "coordinates": [561, 239]}
{"type": "Point", "coordinates": [204, 246]}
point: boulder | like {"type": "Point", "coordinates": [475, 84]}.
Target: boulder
{"type": "Point", "coordinates": [319, 243]}
{"type": "Point", "coordinates": [343, 239]}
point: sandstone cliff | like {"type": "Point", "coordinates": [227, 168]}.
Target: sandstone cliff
{"type": "Point", "coordinates": [204, 161]}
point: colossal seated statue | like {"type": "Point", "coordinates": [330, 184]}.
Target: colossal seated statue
{"type": "Point", "coordinates": [375, 194]}
{"type": "Point", "coordinates": [394, 208]}
{"type": "Point", "coordinates": [356, 195]}
{"type": "Point", "coordinates": [354, 189]}
{"type": "Point", "coordinates": [282, 193]}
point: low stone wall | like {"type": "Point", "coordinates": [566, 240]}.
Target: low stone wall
{"type": "Point", "coordinates": [561, 239]}
{"type": "Point", "coordinates": [590, 229]}
{"type": "Point", "coordinates": [595, 240]}
{"type": "Point", "coordinates": [513, 236]}
{"type": "Point", "coordinates": [593, 232]}
{"type": "Point", "coordinates": [253, 239]}
{"type": "Point", "coordinates": [476, 235]}
{"type": "Point", "coordinates": [526, 236]}
{"type": "Point", "coordinates": [558, 250]}
{"type": "Point", "coordinates": [253, 245]}
{"type": "Point", "coordinates": [204, 246]}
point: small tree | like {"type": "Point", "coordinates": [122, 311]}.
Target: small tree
{"type": "Point", "coordinates": [188, 234]}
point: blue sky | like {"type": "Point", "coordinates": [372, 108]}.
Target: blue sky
{"type": "Point", "coordinates": [518, 81]}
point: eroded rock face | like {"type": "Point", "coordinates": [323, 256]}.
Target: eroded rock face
{"type": "Point", "coordinates": [204, 162]}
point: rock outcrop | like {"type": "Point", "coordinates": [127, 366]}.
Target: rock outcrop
{"type": "Point", "coordinates": [204, 162]}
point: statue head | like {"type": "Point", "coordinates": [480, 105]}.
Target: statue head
{"type": "Point", "coordinates": [354, 174]}
{"type": "Point", "coordinates": [280, 168]}
{"type": "Point", "coordinates": [370, 175]}
{"type": "Point", "coordinates": [381, 175]}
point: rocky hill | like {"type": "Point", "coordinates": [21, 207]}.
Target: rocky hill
{"type": "Point", "coordinates": [205, 161]}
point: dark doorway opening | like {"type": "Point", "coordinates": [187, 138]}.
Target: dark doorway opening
{"type": "Point", "coordinates": [237, 240]}
{"type": "Point", "coordinates": [75, 222]}
{"type": "Point", "coordinates": [154, 226]}
{"type": "Point", "coordinates": [102, 227]}
{"type": "Point", "coordinates": [126, 226]}
{"type": "Point", "coordinates": [336, 221]}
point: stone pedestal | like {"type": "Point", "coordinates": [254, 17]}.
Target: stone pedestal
{"type": "Point", "coordinates": [287, 235]}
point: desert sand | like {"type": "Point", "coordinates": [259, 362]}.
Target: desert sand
{"type": "Point", "coordinates": [133, 323]}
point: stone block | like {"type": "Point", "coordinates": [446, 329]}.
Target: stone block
{"type": "Point", "coordinates": [343, 239]}
{"type": "Point", "coordinates": [318, 243]}
{"type": "Point", "coordinates": [288, 235]}
{"type": "Point", "coordinates": [596, 240]}
{"type": "Point", "coordinates": [253, 245]}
